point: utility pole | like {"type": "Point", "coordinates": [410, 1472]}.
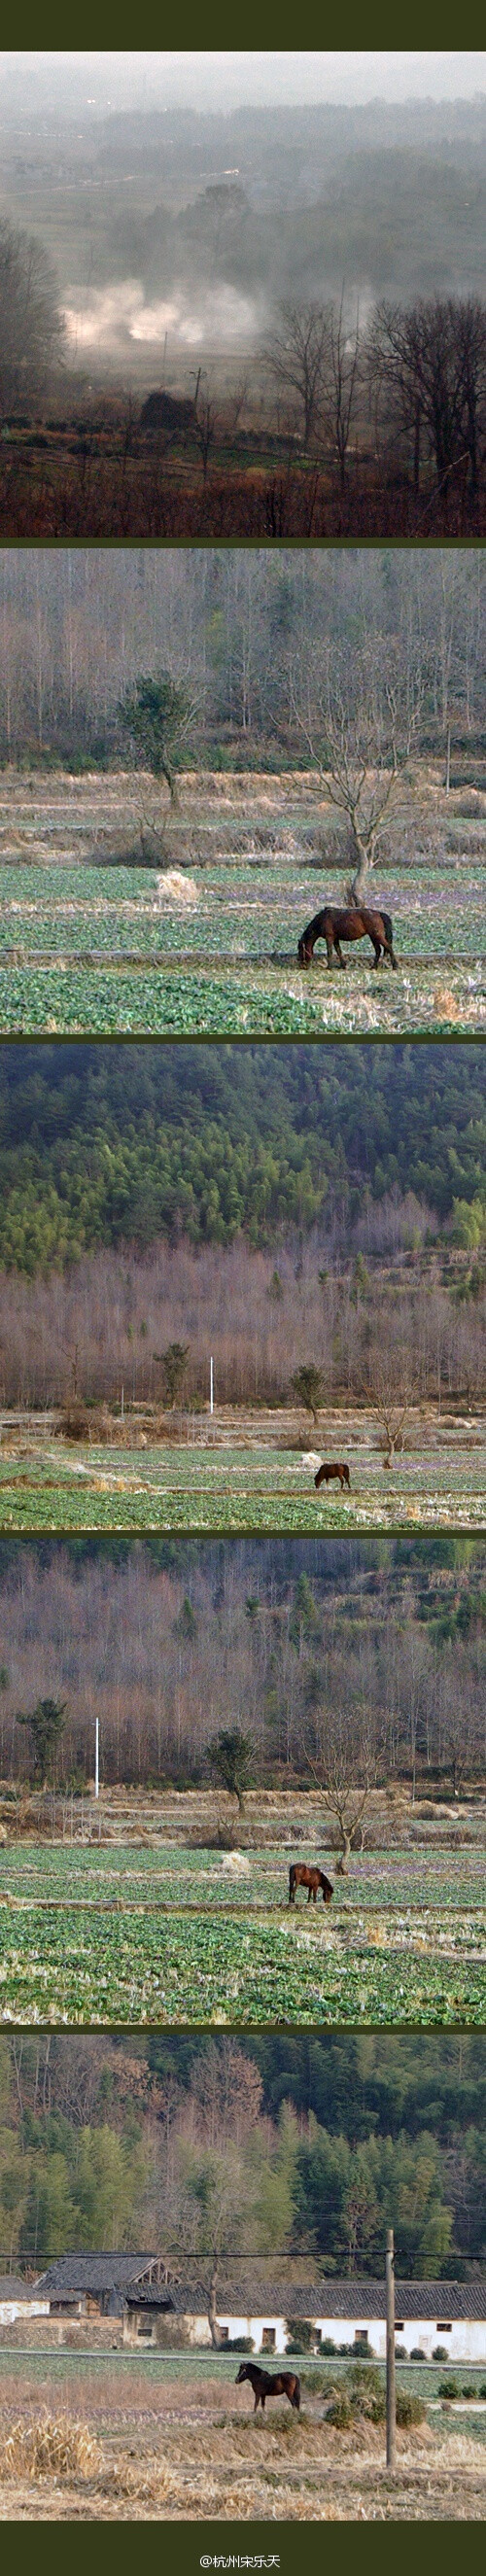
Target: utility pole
{"type": "Point", "coordinates": [391, 2420]}
{"type": "Point", "coordinates": [211, 1387]}
{"type": "Point", "coordinates": [97, 1757]}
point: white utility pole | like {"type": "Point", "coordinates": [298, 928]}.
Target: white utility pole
{"type": "Point", "coordinates": [97, 1757]}
{"type": "Point", "coordinates": [211, 1387]}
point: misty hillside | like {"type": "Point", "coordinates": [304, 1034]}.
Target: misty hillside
{"type": "Point", "coordinates": [268, 202]}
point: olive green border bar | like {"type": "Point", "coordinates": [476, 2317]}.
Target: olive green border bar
{"type": "Point", "coordinates": [208, 31]}
{"type": "Point", "coordinates": [183, 2548]}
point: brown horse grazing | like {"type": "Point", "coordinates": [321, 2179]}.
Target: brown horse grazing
{"type": "Point", "coordinates": [301, 1876]}
{"type": "Point", "coordinates": [270, 2383]}
{"type": "Point", "coordinates": [326, 1473]}
{"type": "Point", "coordinates": [357, 923]}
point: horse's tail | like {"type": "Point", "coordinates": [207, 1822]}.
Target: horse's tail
{"type": "Point", "coordinates": [295, 2401]}
{"type": "Point", "coordinates": [388, 926]}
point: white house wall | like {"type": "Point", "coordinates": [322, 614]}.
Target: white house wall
{"type": "Point", "coordinates": [465, 2342]}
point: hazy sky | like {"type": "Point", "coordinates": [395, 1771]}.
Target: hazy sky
{"type": "Point", "coordinates": [29, 82]}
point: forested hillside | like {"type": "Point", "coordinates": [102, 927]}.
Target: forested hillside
{"type": "Point", "coordinates": [309, 2146]}
{"type": "Point", "coordinates": [162, 1640]}
{"type": "Point", "coordinates": [78, 624]}
{"type": "Point", "coordinates": [104, 1146]}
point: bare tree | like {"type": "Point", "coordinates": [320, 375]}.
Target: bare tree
{"type": "Point", "coordinates": [389, 1390]}
{"type": "Point", "coordinates": [296, 358]}
{"type": "Point", "coordinates": [357, 715]}
{"type": "Point", "coordinates": [431, 359]}
{"type": "Point", "coordinates": [342, 1754]}
{"type": "Point", "coordinates": [340, 386]}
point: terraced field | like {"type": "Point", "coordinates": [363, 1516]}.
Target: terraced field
{"type": "Point", "coordinates": [191, 1937]}
{"type": "Point", "coordinates": [210, 945]}
{"type": "Point", "coordinates": [437, 1484]}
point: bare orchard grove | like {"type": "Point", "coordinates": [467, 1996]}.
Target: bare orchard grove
{"type": "Point", "coordinates": [145, 1908]}
{"type": "Point", "coordinates": [121, 913]}
{"type": "Point", "coordinates": [107, 2436]}
{"type": "Point", "coordinates": [239, 1470]}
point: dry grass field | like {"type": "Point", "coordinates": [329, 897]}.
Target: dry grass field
{"type": "Point", "coordinates": [185, 2455]}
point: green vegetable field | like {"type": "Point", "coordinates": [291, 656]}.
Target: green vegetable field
{"type": "Point", "coordinates": [213, 951]}
{"type": "Point", "coordinates": [201, 1488]}
{"type": "Point", "coordinates": [89, 1935]}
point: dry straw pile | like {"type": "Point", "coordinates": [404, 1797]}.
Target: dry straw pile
{"type": "Point", "coordinates": [52, 2447]}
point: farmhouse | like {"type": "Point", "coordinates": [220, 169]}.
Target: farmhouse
{"type": "Point", "coordinates": [95, 2285]}
{"type": "Point", "coordinates": [20, 2298]}
{"type": "Point", "coordinates": [264, 2310]}
{"type": "Point", "coordinates": [348, 2312]}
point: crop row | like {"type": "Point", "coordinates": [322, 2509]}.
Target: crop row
{"type": "Point", "coordinates": [427, 1885]}
{"type": "Point", "coordinates": [60, 1000]}
{"type": "Point", "coordinates": [82, 1968]}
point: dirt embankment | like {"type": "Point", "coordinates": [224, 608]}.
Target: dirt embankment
{"type": "Point", "coordinates": [208, 1817]}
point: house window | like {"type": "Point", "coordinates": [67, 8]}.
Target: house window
{"type": "Point", "coordinates": [224, 2334]}
{"type": "Point", "coordinates": [145, 2328]}
{"type": "Point", "coordinates": [362, 2337]}
{"type": "Point", "coordinates": [445, 2326]}
{"type": "Point", "coordinates": [399, 2325]}
{"type": "Point", "coordinates": [268, 2338]}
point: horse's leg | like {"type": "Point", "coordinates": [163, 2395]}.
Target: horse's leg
{"type": "Point", "coordinates": [377, 949]}
{"type": "Point", "coordinates": [339, 953]}
{"type": "Point", "coordinates": [329, 946]}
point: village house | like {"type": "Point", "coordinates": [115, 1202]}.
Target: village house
{"type": "Point", "coordinates": [18, 2298]}
{"type": "Point", "coordinates": [263, 2309]}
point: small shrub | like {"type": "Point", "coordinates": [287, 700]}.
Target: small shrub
{"type": "Point", "coordinates": [416, 2353]}
{"type": "Point", "coordinates": [439, 2352]}
{"type": "Point", "coordinates": [410, 2410]}
{"type": "Point", "coordinates": [327, 2346]}
{"type": "Point", "coordinates": [449, 2388]}
{"type": "Point", "coordinates": [340, 2412]}
{"type": "Point", "coordinates": [301, 2335]}
{"type": "Point", "coordinates": [239, 2343]}
{"type": "Point", "coordinates": [367, 2391]}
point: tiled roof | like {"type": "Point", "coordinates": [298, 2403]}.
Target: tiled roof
{"type": "Point", "coordinates": [251, 2292]}
{"type": "Point", "coordinates": [91, 2273]}
{"type": "Point", "coordinates": [10, 2288]}
{"type": "Point", "coordinates": [243, 2296]}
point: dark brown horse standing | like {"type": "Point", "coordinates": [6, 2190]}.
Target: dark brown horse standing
{"type": "Point", "coordinates": [358, 922]}
{"type": "Point", "coordinates": [330, 1469]}
{"type": "Point", "coordinates": [270, 2383]}
{"type": "Point", "coordinates": [300, 1875]}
